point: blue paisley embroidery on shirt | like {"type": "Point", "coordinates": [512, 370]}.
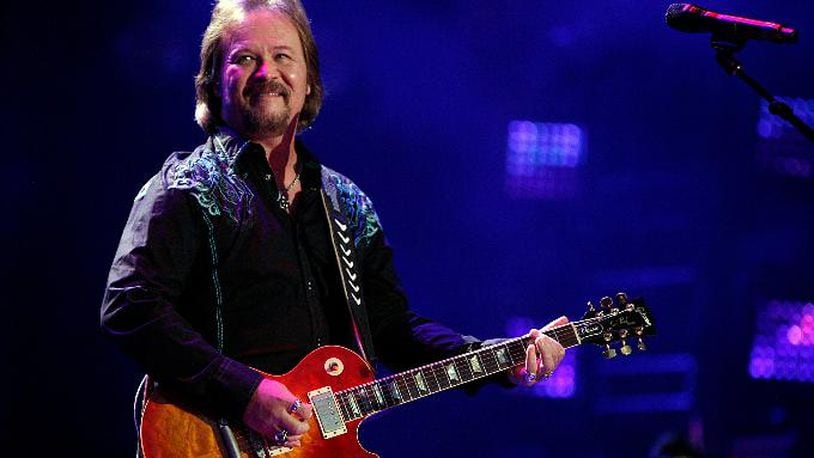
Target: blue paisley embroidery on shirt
{"type": "Point", "coordinates": [212, 180]}
{"type": "Point", "coordinates": [354, 204]}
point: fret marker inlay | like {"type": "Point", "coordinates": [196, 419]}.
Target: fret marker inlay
{"type": "Point", "coordinates": [452, 373]}
{"type": "Point", "coordinates": [354, 406]}
{"type": "Point", "coordinates": [394, 389]}
{"type": "Point", "coordinates": [501, 356]}
{"type": "Point", "coordinates": [419, 380]}
{"type": "Point", "coordinates": [379, 395]}
{"type": "Point", "coordinates": [475, 363]}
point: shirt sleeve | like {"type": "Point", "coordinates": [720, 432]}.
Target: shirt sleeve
{"type": "Point", "coordinates": [163, 239]}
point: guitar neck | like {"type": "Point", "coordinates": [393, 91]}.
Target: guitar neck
{"type": "Point", "coordinates": [364, 400]}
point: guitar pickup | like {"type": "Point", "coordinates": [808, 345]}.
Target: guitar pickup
{"type": "Point", "coordinates": [328, 416]}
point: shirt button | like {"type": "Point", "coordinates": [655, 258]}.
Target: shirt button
{"type": "Point", "coordinates": [267, 177]}
{"type": "Point", "coordinates": [310, 285]}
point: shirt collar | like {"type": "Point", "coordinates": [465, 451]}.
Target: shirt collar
{"type": "Point", "coordinates": [234, 149]}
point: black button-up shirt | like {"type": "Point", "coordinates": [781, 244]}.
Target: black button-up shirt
{"type": "Point", "coordinates": [211, 276]}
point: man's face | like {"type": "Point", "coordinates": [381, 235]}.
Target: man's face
{"type": "Point", "coordinates": [264, 80]}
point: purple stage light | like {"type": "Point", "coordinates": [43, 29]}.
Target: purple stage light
{"type": "Point", "coordinates": [783, 346]}
{"type": "Point", "coordinates": [541, 159]}
{"type": "Point", "coordinates": [781, 148]}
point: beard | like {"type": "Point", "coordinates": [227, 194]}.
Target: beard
{"type": "Point", "coordinates": [258, 118]}
{"type": "Point", "coordinates": [260, 122]}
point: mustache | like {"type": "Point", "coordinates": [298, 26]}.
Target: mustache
{"type": "Point", "coordinates": [271, 86]}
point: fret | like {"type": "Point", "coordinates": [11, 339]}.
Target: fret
{"type": "Point", "coordinates": [354, 405]}
{"type": "Point", "coordinates": [452, 373]}
{"type": "Point", "coordinates": [421, 383]}
{"type": "Point", "coordinates": [462, 369]}
{"type": "Point", "coordinates": [344, 408]}
{"type": "Point", "coordinates": [404, 387]}
{"type": "Point", "coordinates": [370, 396]}
{"type": "Point", "coordinates": [442, 375]}
{"type": "Point", "coordinates": [565, 335]}
{"type": "Point", "coordinates": [443, 379]}
{"type": "Point", "coordinates": [391, 392]}
{"type": "Point", "coordinates": [363, 401]}
{"type": "Point", "coordinates": [489, 360]}
{"type": "Point", "coordinates": [502, 357]}
{"type": "Point", "coordinates": [410, 391]}
{"type": "Point", "coordinates": [378, 396]}
{"type": "Point", "coordinates": [517, 351]}
{"type": "Point", "coordinates": [432, 378]}
{"type": "Point", "coordinates": [416, 380]}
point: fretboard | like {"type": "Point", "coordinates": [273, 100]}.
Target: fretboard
{"type": "Point", "coordinates": [364, 400]}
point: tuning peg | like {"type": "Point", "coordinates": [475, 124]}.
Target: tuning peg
{"type": "Point", "coordinates": [640, 345]}
{"type": "Point", "coordinates": [625, 349]}
{"type": "Point", "coordinates": [621, 298]}
{"type": "Point", "coordinates": [609, 352]}
{"type": "Point", "coordinates": [591, 312]}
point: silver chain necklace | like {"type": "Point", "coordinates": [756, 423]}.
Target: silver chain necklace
{"type": "Point", "coordinates": [282, 199]}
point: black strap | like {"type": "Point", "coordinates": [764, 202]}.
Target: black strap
{"type": "Point", "coordinates": [349, 272]}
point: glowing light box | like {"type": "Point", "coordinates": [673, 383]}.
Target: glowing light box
{"type": "Point", "coordinates": [783, 346]}
{"type": "Point", "coordinates": [542, 158]}
{"type": "Point", "coordinates": [781, 149]}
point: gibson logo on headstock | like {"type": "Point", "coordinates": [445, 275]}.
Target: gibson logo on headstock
{"type": "Point", "coordinates": [622, 321]}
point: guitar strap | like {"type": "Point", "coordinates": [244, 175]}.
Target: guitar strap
{"type": "Point", "coordinates": [347, 263]}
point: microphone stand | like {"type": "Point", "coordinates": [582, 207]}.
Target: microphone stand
{"type": "Point", "coordinates": [725, 49]}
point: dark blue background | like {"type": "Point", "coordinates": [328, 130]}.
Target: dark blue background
{"type": "Point", "coordinates": [671, 205]}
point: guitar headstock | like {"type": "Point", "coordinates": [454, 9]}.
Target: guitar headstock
{"type": "Point", "coordinates": [622, 320]}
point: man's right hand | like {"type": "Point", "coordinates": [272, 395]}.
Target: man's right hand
{"type": "Point", "coordinates": [269, 412]}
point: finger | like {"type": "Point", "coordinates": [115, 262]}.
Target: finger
{"type": "Point", "coordinates": [294, 441]}
{"type": "Point", "coordinates": [532, 364]}
{"type": "Point", "coordinates": [292, 444]}
{"type": "Point", "coordinates": [549, 351]}
{"type": "Point", "coordinates": [548, 364]}
{"type": "Point", "coordinates": [294, 426]}
{"type": "Point", "coordinates": [305, 411]}
{"type": "Point", "coordinates": [558, 322]}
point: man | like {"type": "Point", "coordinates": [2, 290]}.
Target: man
{"type": "Point", "coordinates": [229, 258]}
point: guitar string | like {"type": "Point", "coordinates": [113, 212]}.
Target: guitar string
{"type": "Point", "coordinates": [565, 334]}
{"type": "Point", "coordinates": [365, 405]}
{"type": "Point", "coordinates": [364, 395]}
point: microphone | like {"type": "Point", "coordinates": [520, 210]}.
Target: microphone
{"type": "Point", "coordinates": [685, 17]}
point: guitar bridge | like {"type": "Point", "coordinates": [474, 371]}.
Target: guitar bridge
{"type": "Point", "coordinates": [328, 417]}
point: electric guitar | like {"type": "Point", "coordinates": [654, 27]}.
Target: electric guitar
{"type": "Point", "coordinates": [342, 389]}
